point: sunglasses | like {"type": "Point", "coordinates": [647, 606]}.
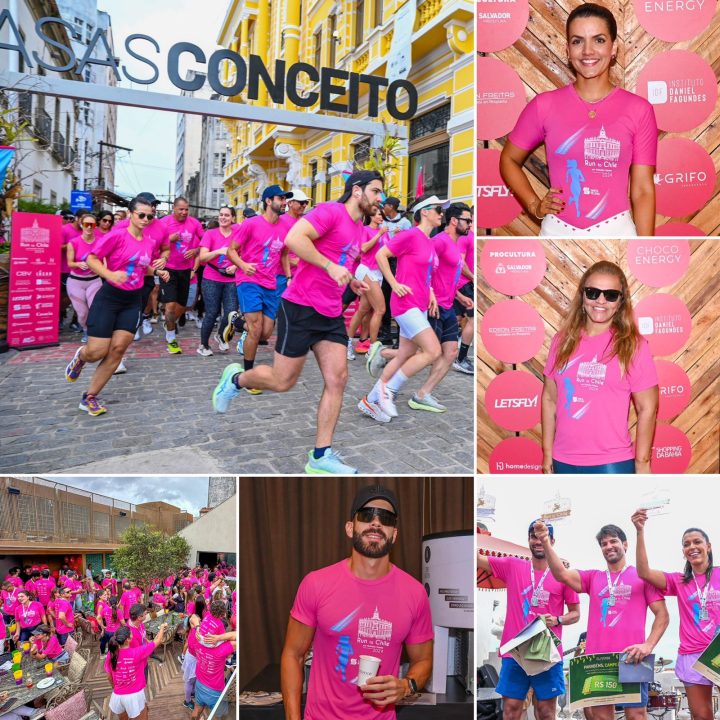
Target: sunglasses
{"type": "Point", "coordinates": [467, 220]}
{"type": "Point", "coordinates": [302, 202]}
{"type": "Point", "coordinates": [386, 517]}
{"type": "Point", "coordinates": [89, 225]}
{"type": "Point", "coordinates": [105, 219]}
{"type": "Point", "coordinates": [592, 293]}
{"type": "Point", "coordinates": [142, 215]}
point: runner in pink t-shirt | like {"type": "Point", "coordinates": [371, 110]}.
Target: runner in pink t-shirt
{"type": "Point", "coordinates": [296, 207]}
{"type": "Point", "coordinates": [697, 589]}
{"type": "Point", "coordinates": [531, 592]}
{"type": "Point", "coordinates": [327, 241]}
{"type": "Point", "coordinates": [466, 287]}
{"type": "Point", "coordinates": [82, 283]}
{"type": "Point", "coordinates": [600, 141]}
{"type": "Point", "coordinates": [344, 615]}
{"type": "Point", "coordinates": [67, 231]}
{"type": "Point", "coordinates": [590, 382]}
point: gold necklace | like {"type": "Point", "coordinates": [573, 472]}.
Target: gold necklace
{"type": "Point", "coordinates": [592, 113]}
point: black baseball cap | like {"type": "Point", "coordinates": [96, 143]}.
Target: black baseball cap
{"type": "Point", "coordinates": [373, 492]}
{"type": "Point", "coordinates": [40, 629]}
{"type": "Point", "coordinates": [359, 178]}
{"type": "Point", "coordinates": [393, 202]}
{"type": "Point", "coordinates": [275, 191]}
{"type": "Point", "coordinates": [248, 213]}
{"type": "Point", "coordinates": [551, 529]}
{"type": "Point", "coordinates": [147, 197]}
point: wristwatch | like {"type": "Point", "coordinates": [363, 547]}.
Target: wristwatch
{"type": "Point", "coordinates": [559, 620]}
{"type": "Point", "coordinates": [412, 685]}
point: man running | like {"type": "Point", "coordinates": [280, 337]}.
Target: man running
{"type": "Point", "coordinates": [327, 242]}
{"type": "Point", "coordinates": [466, 287]}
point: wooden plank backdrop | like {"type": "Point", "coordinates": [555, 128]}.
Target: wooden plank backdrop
{"type": "Point", "coordinates": [699, 288]}
{"type": "Point", "coordinates": [540, 58]}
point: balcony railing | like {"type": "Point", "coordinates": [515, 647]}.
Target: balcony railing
{"type": "Point", "coordinates": [59, 147]}
{"type": "Point", "coordinates": [43, 126]}
{"type": "Point", "coordinates": [25, 106]}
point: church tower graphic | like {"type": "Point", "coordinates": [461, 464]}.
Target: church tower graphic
{"type": "Point", "coordinates": [602, 147]}
{"type": "Point", "coordinates": [374, 628]}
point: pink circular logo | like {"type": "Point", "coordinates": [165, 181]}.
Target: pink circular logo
{"type": "Point", "coordinates": [516, 455]}
{"type": "Point", "coordinates": [495, 205]}
{"type": "Point", "coordinates": [671, 451]}
{"type": "Point", "coordinates": [658, 263]}
{"type": "Point", "coordinates": [500, 23]}
{"type": "Point", "coordinates": [675, 229]}
{"type": "Point", "coordinates": [675, 389]}
{"type": "Point", "coordinates": [684, 177]}
{"type": "Point", "coordinates": [674, 20]}
{"type": "Point", "coordinates": [512, 400]}
{"type": "Point", "coordinates": [500, 98]}
{"type": "Point", "coordinates": [664, 321]}
{"type": "Point", "coordinates": [513, 267]}
{"type": "Point", "coordinates": [681, 87]}
{"type": "Point", "coordinates": [512, 331]}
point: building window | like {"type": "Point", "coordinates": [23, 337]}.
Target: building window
{"type": "Point", "coordinates": [332, 30]}
{"type": "Point", "coordinates": [361, 152]}
{"type": "Point", "coordinates": [53, 197]}
{"type": "Point", "coordinates": [37, 190]}
{"type": "Point", "coordinates": [434, 162]}
{"type": "Point", "coordinates": [101, 526]}
{"type": "Point", "coordinates": [21, 65]}
{"type": "Point", "coordinates": [88, 33]}
{"type": "Point", "coordinates": [218, 163]}
{"type": "Point", "coordinates": [328, 180]}
{"type": "Point", "coordinates": [313, 181]}
{"type": "Point", "coordinates": [76, 519]}
{"type": "Point", "coordinates": [378, 12]}
{"type": "Point", "coordinates": [430, 122]}
{"type": "Point", "coordinates": [359, 22]}
{"type": "Point", "coordinates": [78, 31]}
{"type": "Point", "coordinates": [317, 49]}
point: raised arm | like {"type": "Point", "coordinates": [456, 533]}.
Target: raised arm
{"type": "Point", "coordinates": [297, 642]}
{"type": "Point", "coordinates": [569, 577]}
{"type": "Point", "coordinates": [654, 577]}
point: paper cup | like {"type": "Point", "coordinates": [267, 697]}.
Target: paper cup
{"type": "Point", "coordinates": [368, 668]}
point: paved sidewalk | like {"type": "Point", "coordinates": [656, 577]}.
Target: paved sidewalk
{"type": "Point", "coordinates": [160, 419]}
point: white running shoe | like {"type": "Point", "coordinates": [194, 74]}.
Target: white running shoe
{"type": "Point", "coordinates": [137, 334]}
{"type": "Point", "coordinates": [372, 410]}
{"type": "Point", "coordinates": [121, 368]}
{"type": "Point", "coordinates": [374, 361]}
{"type": "Point", "coordinates": [147, 327]}
{"type": "Point", "coordinates": [386, 401]}
{"type": "Point", "coordinates": [204, 351]}
{"type": "Point", "coordinates": [350, 351]}
{"type": "Point", "coordinates": [224, 347]}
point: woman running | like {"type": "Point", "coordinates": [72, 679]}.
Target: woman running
{"type": "Point", "coordinates": [697, 589]}
{"type": "Point", "coordinates": [105, 220]}
{"type": "Point", "coordinates": [116, 309]}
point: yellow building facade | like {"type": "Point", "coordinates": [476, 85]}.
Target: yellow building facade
{"type": "Point", "coordinates": [355, 36]}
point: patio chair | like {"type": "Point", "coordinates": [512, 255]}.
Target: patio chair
{"type": "Point", "coordinates": [71, 645]}
{"type": "Point", "coordinates": [167, 640]}
{"type": "Point", "coordinates": [73, 707]}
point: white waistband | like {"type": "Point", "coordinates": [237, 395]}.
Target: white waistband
{"type": "Point", "coordinates": [620, 225]}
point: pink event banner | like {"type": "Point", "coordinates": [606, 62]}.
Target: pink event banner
{"type": "Point", "coordinates": [34, 302]}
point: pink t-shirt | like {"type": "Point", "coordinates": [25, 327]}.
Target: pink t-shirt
{"type": "Point", "coordinates": [416, 262]}
{"type": "Point", "coordinates": [368, 258]}
{"type": "Point", "coordinates": [155, 231]}
{"type": "Point", "coordinates": [353, 617]}
{"type": "Point", "coordinates": [211, 626]}
{"type": "Point", "coordinates": [339, 241]}
{"type": "Point", "coordinates": [112, 583]}
{"type": "Point", "coordinates": [43, 588]}
{"type": "Point", "coordinates": [16, 581]}
{"type": "Point", "coordinates": [82, 250]}
{"type": "Point", "coordinates": [467, 248]}
{"type": "Point", "coordinates": [260, 242]}
{"type": "Point", "coordinates": [696, 632]}
{"type": "Point", "coordinates": [3, 629]}
{"type": "Point", "coordinates": [29, 615]}
{"type": "Point", "coordinates": [589, 158]}
{"type": "Point", "coordinates": [123, 252]}
{"type": "Point", "coordinates": [593, 395]}
{"type": "Point", "coordinates": [138, 635]}
{"type": "Point", "coordinates": [63, 606]}
{"type": "Point", "coordinates": [210, 668]}
{"type": "Point", "coordinates": [214, 240]}
{"type": "Point", "coordinates": [191, 233]}
{"type": "Point", "coordinates": [552, 596]}
{"type": "Point", "coordinates": [159, 598]}
{"type": "Point", "coordinates": [129, 675]}
{"type": "Point", "coordinates": [9, 601]}
{"type": "Point", "coordinates": [51, 648]}
{"type": "Point", "coordinates": [446, 277]}
{"type": "Point", "coordinates": [287, 221]}
{"type": "Point", "coordinates": [613, 627]}
{"type": "Point", "coordinates": [169, 581]}
{"type": "Point", "coordinates": [106, 612]}
{"type": "Point", "coordinates": [68, 231]}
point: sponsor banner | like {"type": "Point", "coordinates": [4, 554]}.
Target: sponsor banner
{"type": "Point", "coordinates": [664, 321]}
{"type": "Point", "coordinates": [495, 204]}
{"type": "Point", "coordinates": [681, 87]}
{"type": "Point", "coordinates": [512, 400]}
{"type": "Point", "coordinates": [500, 23]}
{"type": "Point", "coordinates": [676, 229]}
{"type": "Point", "coordinates": [594, 681]}
{"type": "Point", "coordinates": [500, 98]}
{"type": "Point", "coordinates": [34, 300]}
{"type": "Point", "coordinates": [512, 331]}
{"type": "Point", "coordinates": [675, 391]}
{"type": "Point", "coordinates": [671, 451]}
{"type": "Point", "coordinates": [684, 177]}
{"type": "Point", "coordinates": [674, 20]}
{"type": "Point", "coordinates": [513, 267]}
{"type": "Point", "coordinates": [658, 263]}
{"type": "Point", "coordinates": [708, 664]}
{"type": "Point", "coordinates": [516, 456]}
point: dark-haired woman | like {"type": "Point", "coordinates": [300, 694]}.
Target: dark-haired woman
{"type": "Point", "coordinates": [105, 220]}
{"type": "Point", "coordinates": [598, 363]}
{"type": "Point", "coordinates": [600, 140]}
{"type": "Point", "coordinates": [109, 617]}
{"type": "Point", "coordinates": [697, 589]}
{"type": "Point", "coordinates": [126, 667]}
{"type": "Point", "coordinates": [116, 309]}
{"type": "Point", "coordinates": [28, 615]}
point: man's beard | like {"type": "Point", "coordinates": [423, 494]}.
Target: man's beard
{"type": "Point", "coordinates": [372, 549]}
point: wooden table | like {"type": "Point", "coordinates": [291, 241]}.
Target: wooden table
{"type": "Point", "coordinates": [152, 626]}
{"type": "Point", "coordinates": [24, 695]}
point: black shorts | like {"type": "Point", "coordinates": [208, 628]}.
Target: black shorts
{"type": "Point", "coordinates": [177, 288]}
{"type": "Point", "coordinates": [348, 296]}
{"type": "Point", "coordinates": [468, 290]}
{"type": "Point", "coordinates": [299, 327]}
{"type": "Point", "coordinates": [114, 309]}
{"type": "Point", "coordinates": [445, 325]}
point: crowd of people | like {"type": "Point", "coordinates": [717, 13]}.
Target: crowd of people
{"type": "Point", "coordinates": [45, 607]}
{"type": "Point", "coordinates": [290, 271]}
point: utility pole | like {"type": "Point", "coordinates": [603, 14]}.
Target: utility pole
{"type": "Point", "coordinates": [102, 145]}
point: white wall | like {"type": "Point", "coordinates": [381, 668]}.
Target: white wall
{"type": "Point", "coordinates": [213, 532]}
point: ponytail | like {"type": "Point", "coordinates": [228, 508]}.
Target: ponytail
{"type": "Point", "coordinates": [200, 605]}
{"type": "Point", "coordinates": [121, 636]}
{"type": "Point", "coordinates": [113, 604]}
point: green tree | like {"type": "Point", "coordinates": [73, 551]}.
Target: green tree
{"type": "Point", "coordinates": [386, 161]}
{"type": "Point", "coordinates": [146, 554]}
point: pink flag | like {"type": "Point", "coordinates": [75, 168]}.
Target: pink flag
{"type": "Point", "coordinates": [420, 187]}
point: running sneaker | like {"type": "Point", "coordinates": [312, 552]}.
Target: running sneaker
{"type": "Point", "coordinates": [189, 705]}
{"type": "Point", "coordinates": [198, 322]}
{"type": "Point", "coordinates": [372, 410]}
{"type": "Point", "coordinates": [350, 353]}
{"type": "Point", "coordinates": [91, 405]}
{"type": "Point", "coordinates": [222, 345]}
{"type": "Point", "coordinates": [204, 351]}
{"type": "Point", "coordinates": [428, 403]}
{"type": "Point", "coordinates": [137, 335]}
{"type": "Point", "coordinates": [387, 401]}
{"type": "Point", "coordinates": [181, 320]}
{"type": "Point", "coordinates": [363, 346]}
{"type": "Point", "coordinates": [229, 330]}
{"type": "Point", "coordinates": [74, 368]}
{"type": "Point", "coordinates": [374, 361]}
{"type": "Point", "coordinates": [464, 366]}
{"type": "Point", "coordinates": [253, 391]}
{"type": "Point", "coordinates": [121, 369]}
{"type": "Point", "coordinates": [147, 327]}
{"type": "Point", "coordinates": [84, 338]}
{"type": "Point", "coordinates": [241, 342]}
{"type": "Point", "coordinates": [75, 327]}
{"type": "Point", "coordinates": [154, 318]}
{"type": "Point", "coordinates": [173, 348]}
{"type": "Point", "coordinates": [329, 464]}
{"type": "Point", "coordinates": [226, 389]}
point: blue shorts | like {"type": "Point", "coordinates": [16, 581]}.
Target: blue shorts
{"type": "Point", "coordinates": [282, 282]}
{"type": "Point", "coordinates": [515, 682]}
{"type": "Point", "coordinates": [643, 698]}
{"type": "Point", "coordinates": [208, 698]}
{"type": "Point", "coordinates": [445, 325]}
{"type": "Point", "coordinates": [624, 467]}
{"type": "Point", "coordinates": [256, 298]}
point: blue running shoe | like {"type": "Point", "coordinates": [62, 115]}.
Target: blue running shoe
{"type": "Point", "coordinates": [241, 342]}
{"type": "Point", "coordinates": [226, 389]}
{"type": "Point", "coordinates": [329, 464]}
